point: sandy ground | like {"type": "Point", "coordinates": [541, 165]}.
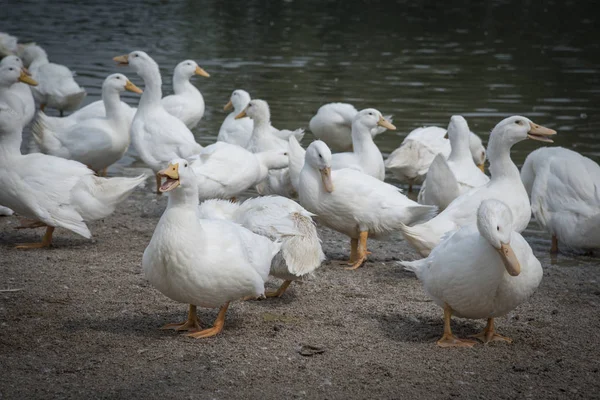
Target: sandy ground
{"type": "Point", "coordinates": [84, 324]}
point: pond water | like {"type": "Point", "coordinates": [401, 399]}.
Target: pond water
{"type": "Point", "coordinates": [419, 61]}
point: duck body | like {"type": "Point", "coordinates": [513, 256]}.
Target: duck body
{"type": "Point", "coordinates": [564, 188]}
{"type": "Point", "coordinates": [505, 185]}
{"type": "Point", "coordinates": [279, 219]}
{"type": "Point", "coordinates": [96, 142]}
{"type": "Point", "coordinates": [483, 270]}
{"type": "Point", "coordinates": [187, 103]}
{"type": "Point", "coordinates": [225, 170]}
{"type": "Point", "coordinates": [448, 179]}
{"type": "Point", "coordinates": [52, 190]}
{"type": "Point", "coordinates": [333, 125]}
{"type": "Point", "coordinates": [57, 89]}
{"type": "Point", "coordinates": [466, 272]}
{"type": "Point", "coordinates": [206, 263]}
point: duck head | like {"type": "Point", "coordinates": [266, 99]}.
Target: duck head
{"type": "Point", "coordinates": [12, 60]}
{"type": "Point", "coordinates": [238, 101]}
{"type": "Point", "coordinates": [11, 73]}
{"type": "Point", "coordinates": [494, 221]}
{"type": "Point", "coordinates": [138, 60]}
{"type": "Point", "coordinates": [120, 83]}
{"type": "Point", "coordinates": [188, 68]}
{"type": "Point", "coordinates": [258, 110]}
{"type": "Point", "coordinates": [517, 128]}
{"type": "Point", "coordinates": [274, 159]}
{"type": "Point", "coordinates": [477, 151]}
{"type": "Point", "coordinates": [179, 173]}
{"type": "Point", "coordinates": [371, 118]}
{"type": "Point", "coordinates": [318, 156]}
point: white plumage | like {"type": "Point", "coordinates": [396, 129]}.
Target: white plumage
{"type": "Point", "coordinates": [333, 124]}
{"type": "Point", "coordinates": [96, 142]}
{"type": "Point", "coordinates": [186, 103]}
{"type": "Point", "coordinates": [448, 179]}
{"type": "Point", "coordinates": [483, 270]}
{"type": "Point", "coordinates": [201, 262]}
{"type": "Point", "coordinates": [279, 219]}
{"type": "Point", "coordinates": [505, 185]}
{"type": "Point", "coordinates": [18, 90]}
{"type": "Point", "coordinates": [564, 188]}
{"type": "Point", "coordinates": [56, 86]}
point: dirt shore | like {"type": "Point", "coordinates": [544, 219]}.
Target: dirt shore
{"type": "Point", "coordinates": [82, 322]}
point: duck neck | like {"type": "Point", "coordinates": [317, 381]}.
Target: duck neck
{"type": "Point", "coordinates": [501, 165]}
{"type": "Point", "coordinates": [10, 145]}
{"type": "Point", "coordinates": [459, 144]}
{"type": "Point", "coordinates": [184, 197]}
{"type": "Point", "coordinates": [182, 84]}
{"type": "Point", "coordinates": [261, 126]}
{"type": "Point", "coordinates": [152, 86]}
{"type": "Point", "coordinates": [112, 103]}
{"type": "Point", "coordinates": [40, 60]}
{"type": "Point", "coordinates": [362, 141]}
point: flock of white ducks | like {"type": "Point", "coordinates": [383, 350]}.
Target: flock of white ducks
{"type": "Point", "coordinates": [209, 254]}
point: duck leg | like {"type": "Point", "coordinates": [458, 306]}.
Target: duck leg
{"type": "Point", "coordinates": [353, 251]}
{"type": "Point", "coordinates": [448, 339]}
{"type": "Point", "coordinates": [410, 188]}
{"type": "Point", "coordinates": [217, 326]}
{"type": "Point", "coordinates": [191, 325]}
{"type": "Point", "coordinates": [554, 248]}
{"type": "Point", "coordinates": [102, 172]}
{"type": "Point", "coordinates": [361, 251]}
{"type": "Point", "coordinates": [489, 334]}
{"type": "Point", "coordinates": [279, 291]}
{"type": "Point", "coordinates": [61, 113]}
{"type": "Point", "coordinates": [42, 107]}
{"type": "Point", "coordinates": [46, 241]}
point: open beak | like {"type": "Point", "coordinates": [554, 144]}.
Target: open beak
{"type": "Point", "coordinates": [537, 132]}
{"type": "Point", "coordinates": [201, 72]}
{"type": "Point", "coordinates": [241, 115]}
{"type": "Point", "coordinates": [172, 175]}
{"type": "Point", "coordinates": [122, 60]}
{"type": "Point", "coordinates": [25, 78]}
{"type": "Point", "coordinates": [481, 167]}
{"type": "Point", "coordinates": [383, 122]}
{"type": "Point", "coordinates": [509, 259]}
{"type": "Point", "coordinates": [326, 178]}
{"type": "Point", "coordinates": [228, 106]}
{"type": "Point", "coordinates": [132, 88]}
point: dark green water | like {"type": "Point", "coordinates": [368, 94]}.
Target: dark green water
{"type": "Point", "coordinates": [421, 61]}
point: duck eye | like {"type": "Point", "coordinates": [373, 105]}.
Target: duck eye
{"type": "Point", "coordinates": [498, 228]}
{"type": "Point", "coordinates": [320, 156]}
{"type": "Point", "coordinates": [519, 122]}
{"type": "Point", "coordinates": [185, 165]}
{"type": "Point", "coordinates": [136, 55]}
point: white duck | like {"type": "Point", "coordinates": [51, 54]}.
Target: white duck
{"type": "Point", "coordinates": [206, 263]}
{"type": "Point", "coordinates": [53, 191]}
{"type": "Point", "coordinates": [264, 138]}
{"type": "Point", "coordinates": [505, 185]}
{"type": "Point", "coordinates": [354, 203]}
{"type": "Point", "coordinates": [564, 188]}
{"type": "Point", "coordinates": [157, 135]}
{"type": "Point", "coordinates": [333, 124]}
{"type": "Point", "coordinates": [8, 44]}
{"type": "Point", "coordinates": [187, 102]}
{"type": "Point", "coordinates": [483, 270]}
{"type": "Point", "coordinates": [366, 156]}
{"type": "Point", "coordinates": [279, 219]}
{"type": "Point", "coordinates": [448, 179]}
{"type": "Point", "coordinates": [236, 131]}
{"type": "Point", "coordinates": [410, 162]}
{"type": "Point", "coordinates": [224, 171]}
{"type": "Point", "coordinates": [57, 88]}
{"type": "Point", "coordinates": [20, 90]}
{"type": "Point", "coordinates": [95, 142]}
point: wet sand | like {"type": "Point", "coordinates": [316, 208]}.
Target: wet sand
{"type": "Point", "coordinates": [82, 322]}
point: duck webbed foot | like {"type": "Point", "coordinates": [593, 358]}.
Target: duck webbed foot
{"type": "Point", "coordinates": [489, 334]}
{"type": "Point", "coordinates": [191, 325]}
